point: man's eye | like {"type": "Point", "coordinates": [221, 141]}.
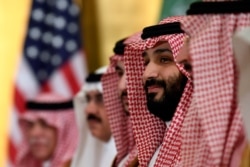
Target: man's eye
{"type": "Point", "coordinates": [188, 66]}
{"type": "Point", "coordinates": [145, 63]}
{"type": "Point", "coordinates": [44, 124]}
{"type": "Point", "coordinates": [99, 99]}
{"type": "Point", "coordinates": [164, 60]}
{"type": "Point", "coordinates": [87, 98]}
{"type": "Point", "coordinates": [28, 124]}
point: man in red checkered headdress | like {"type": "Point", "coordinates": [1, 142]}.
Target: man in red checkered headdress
{"type": "Point", "coordinates": [206, 128]}
{"type": "Point", "coordinates": [116, 103]}
{"type": "Point", "coordinates": [159, 93]}
{"type": "Point", "coordinates": [50, 132]}
{"type": "Point", "coordinates": [214, 133]}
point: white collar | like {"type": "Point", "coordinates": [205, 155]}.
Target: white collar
{"type": "Point", "coordinates": [46, 163]}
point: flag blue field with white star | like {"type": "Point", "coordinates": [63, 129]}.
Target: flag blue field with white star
{"type": "Point", "coordinates": [52, 37]}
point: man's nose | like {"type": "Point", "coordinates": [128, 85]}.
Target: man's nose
{"type": "Point", "coordinates": [151, 71]}
{"type": "Point", "coordinates": [91, 107]}
{"type": "Point", "coordinates": [36, 130]}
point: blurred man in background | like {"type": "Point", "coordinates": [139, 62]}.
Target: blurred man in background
{"type": "Point", "coordinates": [50, 132]}
{"type": "Point", "coordinates": [116, 102]}
{"type": "Point", "coordinates": [217, 129]}
{"type": "Point", "coordinates": [96, 147]}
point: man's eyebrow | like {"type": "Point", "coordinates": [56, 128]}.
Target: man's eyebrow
{"type": "Point", "coordinates": [87, 96]}
{"type": "Point", "coordinates": [161, 50]}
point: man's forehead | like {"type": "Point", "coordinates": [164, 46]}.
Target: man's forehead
{"type": "Point", "coordinates": [93, 93]}
{"type": "Point", "coordinates": [34, 121]}
{"type": "Point", "coordinates": [158, 45]}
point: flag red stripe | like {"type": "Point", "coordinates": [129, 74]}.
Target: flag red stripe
{"type": "Point", "coordinates": [70, 78]}
{"type": "Point", "coordinates": [19, 100]}
{"type": "Point", "coordinates": [12, 151]}
{"type": "Point", "coordinates": [46, 87]}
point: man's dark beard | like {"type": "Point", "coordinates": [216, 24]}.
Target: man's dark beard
{"type": "Point", "coordinates": [165, 107]}
{"type": "Point", "coordinates": [93, 117]}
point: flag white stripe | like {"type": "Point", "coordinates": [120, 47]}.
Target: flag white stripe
{"type": "Point", "coordinates": [15, 133]}
{"type": "Point", "coordinates": [24, 78]}
{"type": "Point", "coordinates": [59, 84]}
{"type": "Point", "coordinates": [79, 67]}
{"type": "Point", "coordinates": [9, 164]}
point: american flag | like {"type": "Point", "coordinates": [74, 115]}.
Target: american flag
{"type": "Point", "coordinates": [52, 59]}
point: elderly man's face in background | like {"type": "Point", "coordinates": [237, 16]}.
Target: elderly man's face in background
{"type": "Point", "coordinates": [96, 116]}
{"type": "Point", "coordinates": [42, 138]}
{"type": "Point", "coordinates": [163, 82]}
{"type": "Point", "coordinates": [122, 87]}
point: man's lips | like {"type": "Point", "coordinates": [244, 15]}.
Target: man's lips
{"type": "Point", "coordinates": [92, 123]}
{"type": "Point", "coordinates": [38, 146]}
{"type": "Point", "coordinates": [153, 88]}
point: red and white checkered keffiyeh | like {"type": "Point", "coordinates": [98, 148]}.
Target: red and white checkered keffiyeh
{"type": "Point", "coordinates": [65, 124]}
{"type": "Point", "coordinates": [120, 123]}
{"type": "Point", "coordinates": [213, 133]}
{"type": "Point", "coordinates": [150, 132]}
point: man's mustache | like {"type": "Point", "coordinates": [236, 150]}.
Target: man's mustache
{"type": "Point", "coordinates": [154, 82]}
{"type": "Point", "coordinates": [34, 141]}
{"type": "Point", "coordinates": [93, 117]}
